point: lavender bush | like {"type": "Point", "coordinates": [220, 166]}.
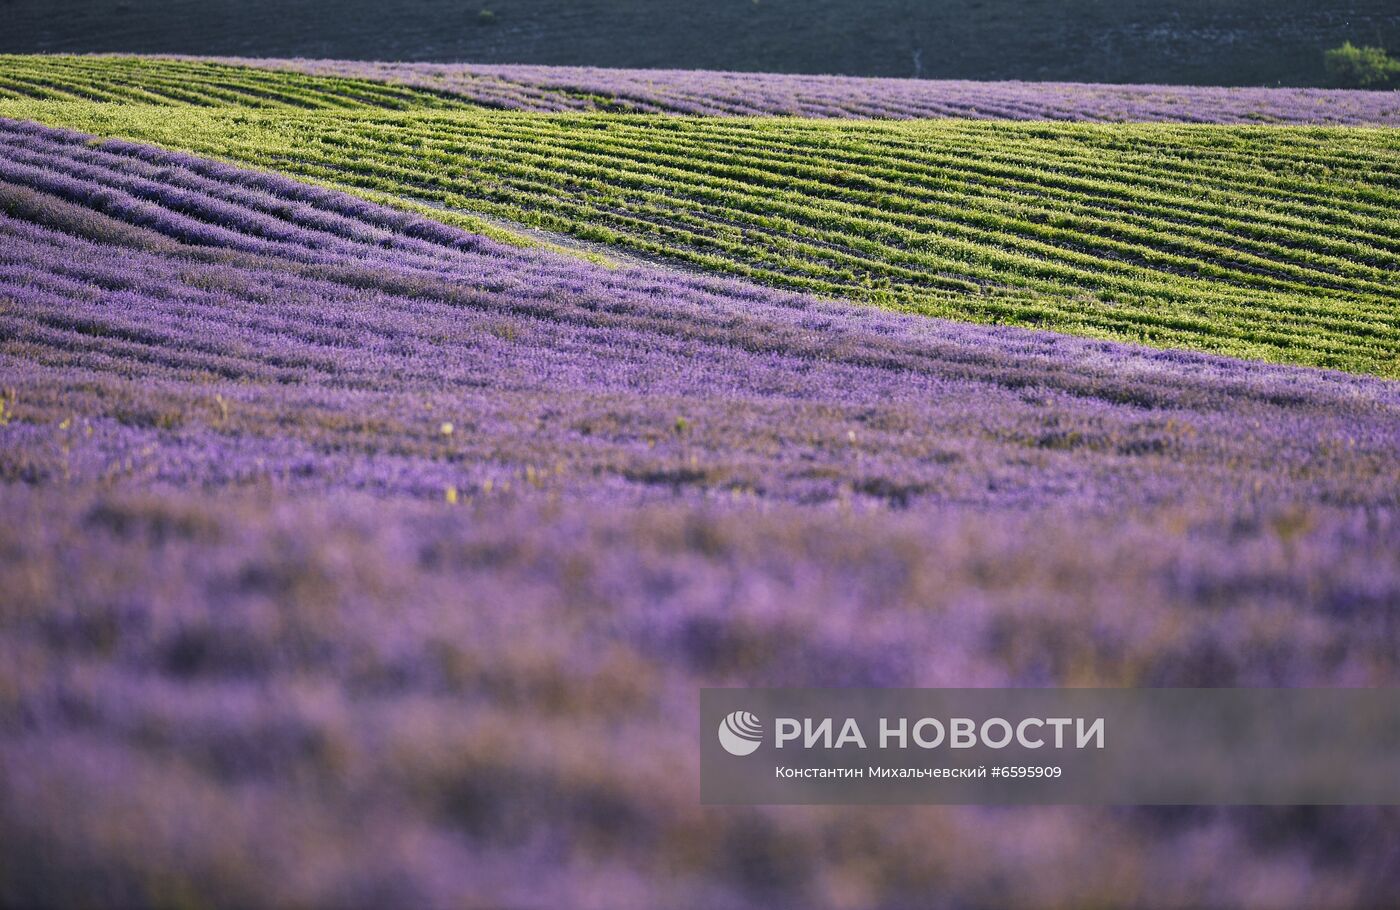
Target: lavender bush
{"type": "Point", "coordinates": [351, 559]}
{"type": "Point", "coordinates": [558, 88]}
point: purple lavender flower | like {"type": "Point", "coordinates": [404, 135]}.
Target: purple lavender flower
{"type": "Point", "coordinates": [560, 88]}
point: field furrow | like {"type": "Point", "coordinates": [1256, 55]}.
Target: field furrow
{"type": "Point", "coordinates": [1052, 226]}
{"type": "Point", "coordinates": [689, 92]}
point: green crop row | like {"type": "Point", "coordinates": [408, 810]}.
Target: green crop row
{"type": "Point", "coordinates": [1273, 243]}
{"type": "Point", "coordinates": [202, 83]}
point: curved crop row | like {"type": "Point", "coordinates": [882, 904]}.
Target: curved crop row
{"type": "Point", "coordinates": [1272, 243]}
{"type": "Point", "coordinates": [544, 89]}
{"type": "Point", "coordinates": [294, 278]}
{"type": "Point", "coordinates": [555, 88]}
{"type": "Point", "coordinates": [139, 80]}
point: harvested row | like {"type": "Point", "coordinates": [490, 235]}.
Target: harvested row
{"type": "Point", "coordinates": [698, 92]}
{"type": "Point", "coordinates": [545, 89]}
{"type": "Point", "coordinates": [372, 512]}
{"type": "Point", "coordinates": [1271, 243]}
{"type": "Point", "coordinates": [137, 80]}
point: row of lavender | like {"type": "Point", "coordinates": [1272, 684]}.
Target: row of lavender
{"type": "Point", "coordinates": [350, 558]}
{"type": "Point", "coordinates": [387, 325]}
{"type": "Point", "coordinates": [698, 92]}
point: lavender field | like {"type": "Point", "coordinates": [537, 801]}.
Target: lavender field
{"type": "Point", "coordinates": [351, 559]}
{"type": "Point", "coordinates": [697, 92]}
{"type": "Point", "coordinates": [331, 84]}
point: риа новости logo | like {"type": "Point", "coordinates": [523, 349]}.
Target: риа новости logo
{"type": "Point", "coordinates": [740, 733]}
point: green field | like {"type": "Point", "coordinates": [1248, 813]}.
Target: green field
{"type": "Point", "coordinates": [132, 80]}
{"type": "Point", "coordinates": [1272, 243]}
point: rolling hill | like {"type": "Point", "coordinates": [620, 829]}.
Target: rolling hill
{"type": "Point", "coordinates": [1274, 243]}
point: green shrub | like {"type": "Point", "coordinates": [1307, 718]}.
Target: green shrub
{"type": "Point", "coordinates": [1361, 67]}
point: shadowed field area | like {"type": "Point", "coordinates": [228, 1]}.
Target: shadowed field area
{"type": "Point", "coordinates": [1203, 42]}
